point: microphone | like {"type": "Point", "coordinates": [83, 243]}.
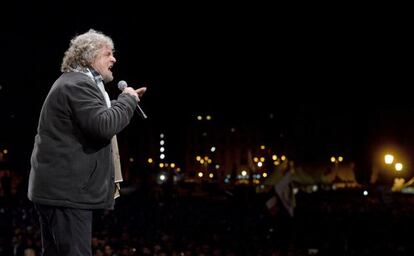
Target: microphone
{"type": "Point", "coordinates": [121, 86]}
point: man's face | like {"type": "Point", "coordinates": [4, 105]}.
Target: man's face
{"type": "Point", "coordinates": [104, 62]}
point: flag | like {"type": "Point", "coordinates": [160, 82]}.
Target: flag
{"type": "Point", "coordinates": [284, 195]}
{"type": "Point", "coordinates": [284, 191]}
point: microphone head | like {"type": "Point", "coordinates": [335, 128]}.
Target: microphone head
{"type": "Point", "coordinates": [122, 85]}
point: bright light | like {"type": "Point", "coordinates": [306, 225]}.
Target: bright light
{"type": "Point", "coordinates": [398, 167]}
{"type": "Point", "coordinates": [161, 165]}
{"type": "Point", "coordinates": [199, 118]}
{"type": "Point", "coordinates": [162, 177]}
{"type": "Point", "coordinates": [211, 175]}
{"type": "Point", "coordinates": [162, 135]}
{"type": "Point", "coordinates": [262, 159]}
{"type": "Point", "coordinates": [333, 159]}
{"type": "Point", "coordinates": [5, 151]}
{"type": "Point", "coordinates": [162, 149]}
{"type": "Point", "coordinates": [198, 158]}
{"type": "Point", "coordinates": [388, 158]}
{"type": "Point", "coordinates": [162, 142]}
{"type": "Point", "coordinates": [213, 149]}
{"type": "Point", "coordinates": [217, 166]}
{"type": "Point", "coordinates": [243, 173]}
{"type": "Point", "coordinates": [340, 158]}
{"type": "Point", "coordinates": [200, 174]}
{"type": "Point", "coordinates": [283, 157]}
{"type": "Point", "coordinates": [259, 164]}
{"type": "Point", "coordinates": [365, 193]}
{"type": "Point", "coordinates": [274, 157]}
{"type": "Point", "coordinates": [172, 165]}
{"type": "Point", "coordinates": [162, 156]}
{"type": "Point", "coordinates": [208, 117]}
{"type": "Point", "coordinates": [262, 147]}
{"type": "Point", "coordinates": [264, 174]}
{"type": "Point", "coordinates": [150, 160]}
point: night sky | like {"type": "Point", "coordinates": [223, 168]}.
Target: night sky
{"type": "Point", "coordinates": [345, 75]}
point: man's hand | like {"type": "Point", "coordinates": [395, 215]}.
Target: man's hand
{"type": "Point", "coordinates": [141, 91]}
{"type": "Point", "coordinates": [136, 93]}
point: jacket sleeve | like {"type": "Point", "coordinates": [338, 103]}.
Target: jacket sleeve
{"type": "Point", "coordinates": [91, 113]}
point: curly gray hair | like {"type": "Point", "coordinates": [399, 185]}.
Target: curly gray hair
{"type": "Point", "coordinates": [83, 49]}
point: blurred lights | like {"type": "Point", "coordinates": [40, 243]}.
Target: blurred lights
{"type": "Point", "coordinates": [337, 159]}
{"type": "Point", "coordinates": [388, 159]}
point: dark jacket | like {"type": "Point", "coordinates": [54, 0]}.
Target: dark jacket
{"type": "Point", "coordinates": [71, 162]}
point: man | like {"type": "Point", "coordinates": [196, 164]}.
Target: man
{"type": "Point", "coordinates": [74, 163]}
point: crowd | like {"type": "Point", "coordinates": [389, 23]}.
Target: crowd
{"type": "Point", "coordinates": [154, 220]}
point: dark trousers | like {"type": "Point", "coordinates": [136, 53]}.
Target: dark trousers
{"type": "Point", "coordinates": [65, 231]}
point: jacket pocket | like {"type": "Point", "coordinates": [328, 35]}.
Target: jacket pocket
{"type": "Point", "coordinates": [91, 176]}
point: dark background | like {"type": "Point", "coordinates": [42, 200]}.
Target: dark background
{"type": "Point", "coordinates": [336, 77]}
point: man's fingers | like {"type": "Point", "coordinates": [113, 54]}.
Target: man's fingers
{"type": "Point", "coordinates": [141, 91]}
